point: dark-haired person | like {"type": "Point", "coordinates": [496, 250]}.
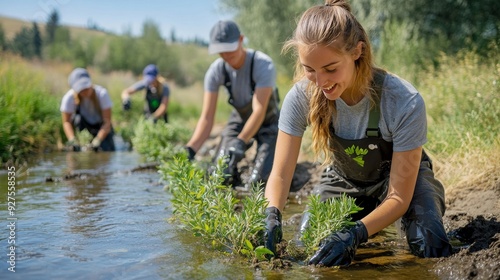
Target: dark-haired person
{"type": "Point", "coordinates": [370, 126]}
{"type": "Point", "coordinates": [250, 79]}
{"type": "Point", "coordinates": [87, 106]}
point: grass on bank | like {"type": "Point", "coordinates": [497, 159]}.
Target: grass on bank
{"type": "Point", "coordinates": [29, 114]}
{"type": "Point", "coordinates": [463, 108]}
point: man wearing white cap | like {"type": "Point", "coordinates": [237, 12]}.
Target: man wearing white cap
{"type": "Point", "coordinates": [87, 106]}
{"type": "Point", "coordinates": [250, 79]}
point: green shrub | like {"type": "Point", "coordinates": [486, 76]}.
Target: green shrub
{"type": "Point", "coordinates": [325, 218]}
{"type": "Point", "coordinates": [159, 141]}
{"type": "Point", "coordinates": [208, 208]}
{"type": "Point", "coordinates": [29, 115]}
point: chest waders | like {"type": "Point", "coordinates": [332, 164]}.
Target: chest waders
{"type": "Point", "coordinates": [153, 101]}
{"type": "Point", "coordinates": [361, 169]}
{"type": "Point", "coordinates": [80, 122]}
{"type": "Point", "coordinates": [364, 161]}
{"type": "Point", "coordinates": [265, 137]}
{"type": "Point", "coordinates": [246, 110]}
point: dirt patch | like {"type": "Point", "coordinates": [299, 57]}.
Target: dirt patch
{"type": "Point", "coordinates": [472, 221]}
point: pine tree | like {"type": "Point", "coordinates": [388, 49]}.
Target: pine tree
{"type": "Point", "coordinates": [37, 41]}
{"type": "Point", "coordinates": [51, 27]}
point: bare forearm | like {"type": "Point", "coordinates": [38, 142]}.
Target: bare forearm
{"type": "Point", "coordinates": [403, 177]}
{"type": "Point", "coordinates": [277, 195]}
{"type": "Point", "coordinates": [104, 131]}
{"type": "Point", "coordinates": [160, 111]}
{"type": "Point", "coordinates": [251, 127]}
{"type": "Point", "coordinates": [285, 161]}
{"type": "Point", "coordinates": [201, 133]}
{"type": "Point", "coordinates": [68, 130]}
{"type": "Point", "coordinates": [126, 93]}
{"type": "Point", "coordinates": [383, 216]}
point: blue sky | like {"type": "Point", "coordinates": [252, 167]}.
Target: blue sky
{"type": "Point", "coordinates": [189, 18]}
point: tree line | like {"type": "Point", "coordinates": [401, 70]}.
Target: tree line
{"type": "Point", "coordinates": [402, 32]}
{"type": "Point", "coordinates": [108, 53]}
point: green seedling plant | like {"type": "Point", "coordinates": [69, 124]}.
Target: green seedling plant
{"type": "Point", "coordinates": [84, 137]}
{"type": "Point", "coordinates": [209, 209]}
{"type": "Point", "coordinates": [160, 141]}
{"type": "Point", "coordinates": [326, 217]}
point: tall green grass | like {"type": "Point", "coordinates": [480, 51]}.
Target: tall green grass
{"type": "Point", "coordinates": [29, 114]}
{"type": "Point", "coordinates": [463, 108]}
{"type": "Point", "coordinates": [462, 99]}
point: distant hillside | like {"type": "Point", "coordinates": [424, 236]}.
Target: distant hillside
{"type": "Point", "coordinates": [11, 26]}
{"type": "Point", "coordinates": [193, 58]}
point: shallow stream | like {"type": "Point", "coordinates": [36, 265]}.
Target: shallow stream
{"type": "Point", "coordinates": [106, 221]}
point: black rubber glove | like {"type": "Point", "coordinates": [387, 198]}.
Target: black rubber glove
{"type": "Point", "coordinates": [339, 248]}
{"type": "Point", "coordinates": [96, 144]}
{"type": "Point", "coordinates": [126, 104]}
{"type": "Point", "coordinates": [72, 145]}
{"type": "Point", "coordinates": [237, 150]}
{"type": "Point", "coordinates": [190, 152]}
{"type": "Point", "coordinates": [152, 119]}
{"type": "Point", "coordinates": [274, 232]}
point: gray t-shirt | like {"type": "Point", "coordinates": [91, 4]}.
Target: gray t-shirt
{"type": "Point", "coordinates": [264, 75]}
{"type": "Point", "coordinates": [87, 108]}
{"type": "Point", "coordinates": [402, 120]}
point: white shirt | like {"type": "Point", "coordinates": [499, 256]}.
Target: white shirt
{"type": "Point", "coordinates": [87, 108]}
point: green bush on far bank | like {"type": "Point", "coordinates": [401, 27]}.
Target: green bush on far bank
{"type": "Point", "coordinates": [28, 121]}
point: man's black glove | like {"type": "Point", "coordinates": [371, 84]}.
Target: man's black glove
{"type": "Point", "coordinates": [274, 232]}
{"type": "Point", "coordinates": [237, 150]}
{"type": "Point", "coordinates": [339, 248]}
{"type": "Point", "coordinates": [126, 104]}
{"type": "Point", "coordinates": [190, 152]}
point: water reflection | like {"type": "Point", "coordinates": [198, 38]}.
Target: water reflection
{"type": "Point", "coordinates": [84, 199]}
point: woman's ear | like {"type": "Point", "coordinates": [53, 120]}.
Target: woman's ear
{"type": "Point", "coordinates": [358, 51]}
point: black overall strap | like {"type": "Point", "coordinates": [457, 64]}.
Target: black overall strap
{"type": "Point", "coordinates": [378, 81]}
{"type": "Point", "coordinates": [227, 79]}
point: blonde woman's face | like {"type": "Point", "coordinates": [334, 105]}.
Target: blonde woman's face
{"type": "Point", "coordinates": [86, 93]}
{"type": "Point", "coordinates": [329, 70]}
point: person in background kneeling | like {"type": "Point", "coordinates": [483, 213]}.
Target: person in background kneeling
{"type": "Point", "coordinates": [87, 106]}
